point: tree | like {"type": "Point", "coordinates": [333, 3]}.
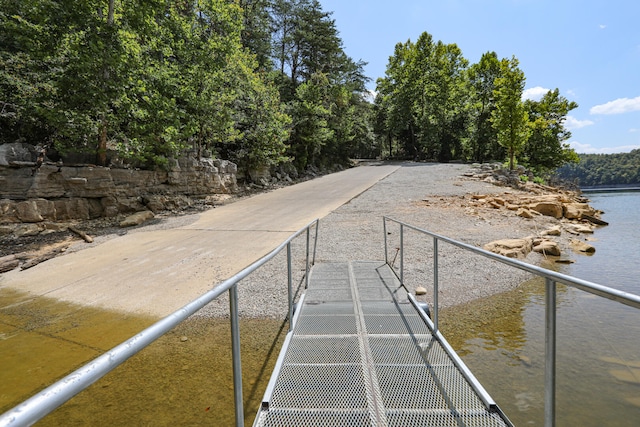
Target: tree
{"type": "Point", "coordinates": [546, 149]}
{"type": "Point", "coordinates": [311, 113]}
{"type": "Point", "coordinates": [510, 118]}
{"type": "Point", "coordinates": [398, 94]}
{"type": "Point", "coordinates": [483, 144]}
{"type": "Point", "coordinates": [26, 71]}
{"type": "Point", "coordinates": [422, 95]}
{"type": "Point", "coordinates": [256, 31]}
{"type": "Point", "coordinates": [259, 118]}
{"type": "Point", "coordinates": [604, 169]}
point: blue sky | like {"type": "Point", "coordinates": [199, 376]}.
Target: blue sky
{"type": "Point", "coordinates": [588, 49]}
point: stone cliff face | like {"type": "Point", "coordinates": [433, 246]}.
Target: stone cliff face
{"type": "Point", "coordinates": [32, 193]}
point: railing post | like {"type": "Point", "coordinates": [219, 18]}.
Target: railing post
{"type": "Point", "coordinates": [315, 243]}
{"type": "Point", "coordinates": [402, 254]}
{"type": "Point", "coordinates": [235, 349]}
{"type": "Point", "coordinates": [550, 354]}
{"type": "Point", "coordinates": [384, 230]}
{"type": "Point", "coordinates": [289, 285]}
{"type": "Point", "coordinates": [306, 270]}
{"type": "Point", "coordinates": [435, 284]}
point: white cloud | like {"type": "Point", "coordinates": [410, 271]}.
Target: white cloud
{"type": "Point", "coordinates": [588, 149]}
{"type": "Point", "coordinates": [370, 95]}
{"type": "Point", "coordinates": [572, 123]}
{"type": "Point", "coordinates": [602, 26]}
{"type": "Point", "coordinates": [534, 93]}
{"type": "Point", "coordinates": [618, 106]}
{"type": "Point", "coordinates": [634, 130]}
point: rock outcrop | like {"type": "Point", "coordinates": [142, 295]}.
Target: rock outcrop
{"type": "Point", "coordinates": [511, 248]}
{"type": "Point", "coordinates": [572, 213]}
{"type": "Point", "coordinates": [55, 192]}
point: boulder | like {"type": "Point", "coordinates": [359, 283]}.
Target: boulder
{"type": "Point", "coordinates": [137, 219]}
{"type": "Point", "coordinates": [14, 152]}
{"type": "Point", "coordinates": [27, 211]}
{"type": "Point", "coordinates": [547, 247]}
{"type": "Point", "coordinates": [582, 247]}
{"type": "Point", "coordinates": [578, 210]}
{"type": "Point", "coordinates": [548, 208]}
{"type": "Point", "coordinates": [553, 231]}
{"type": "Point", "coordinates": [511, 248]}
{"type": "Point", "coordinates": [27, 230]}
{"type": "Point", "coordinates": [8, 263]}
{"type": "Point", "coordinates": [525, 213]}
{"type": "Point", "coordinates": [583, 228]}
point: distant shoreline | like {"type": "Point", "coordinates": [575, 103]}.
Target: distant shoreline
{"type": "Point", "coordinates": [611, 189]}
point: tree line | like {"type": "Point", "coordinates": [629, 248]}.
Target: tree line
{"type": "Point", "coordinates": [604, 170]}
{"type": "Point", "coordinates": [254, 81]}
{"type": "Point", "coordinates": [258, 82]}
{"type": "Point", "coordinates": [433, 105]}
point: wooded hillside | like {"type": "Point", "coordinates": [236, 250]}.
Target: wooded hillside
{"type": "Point", "coordinates": [257, 82]}
{"type": "Point", "coordinates": [604, 169]}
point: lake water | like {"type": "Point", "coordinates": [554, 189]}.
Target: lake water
{"type": "Point", "coordinates": [598, 373]}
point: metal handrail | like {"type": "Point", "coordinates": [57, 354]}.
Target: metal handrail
{"type": "Point", "coordinates": [43, 403]}
{"type": "Point", "coordinates": [551, 279]}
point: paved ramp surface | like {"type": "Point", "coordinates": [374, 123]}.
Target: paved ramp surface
{"type": "Point", "coordinates": [157, 272]}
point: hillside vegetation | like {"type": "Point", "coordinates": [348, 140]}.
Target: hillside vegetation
{"type": "Point", "coordinates": [257, 82]}
{"type": "Point", "coordinates": [604, 170]}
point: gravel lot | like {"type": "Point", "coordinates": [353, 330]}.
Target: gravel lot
{"type": "Point", "coordinates": [434, 197]}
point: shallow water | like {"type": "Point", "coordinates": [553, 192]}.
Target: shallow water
{"type": "Point", "coordinates": [184, 378]}
{"type": "Point", "coordinates": [501, 339]}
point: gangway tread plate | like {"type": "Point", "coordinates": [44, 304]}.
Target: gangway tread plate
{"type": "Point", "coordinates": [360, 354]}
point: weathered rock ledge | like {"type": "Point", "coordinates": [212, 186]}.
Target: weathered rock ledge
{"type": "Point", "coordinates": [34, 193]}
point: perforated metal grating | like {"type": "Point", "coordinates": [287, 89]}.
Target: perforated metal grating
{"type": "Point", "coordinates": [361, 355]}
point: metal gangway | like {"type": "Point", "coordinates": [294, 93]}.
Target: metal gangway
{"type": "Point", "coordinates": [360, 351]}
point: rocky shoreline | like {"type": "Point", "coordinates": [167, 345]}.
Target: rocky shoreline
{"type": "Point", "coordinates": [442, 198]}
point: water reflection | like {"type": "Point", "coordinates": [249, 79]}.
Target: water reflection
{"type": "Point", "coordinates": [501, 338]}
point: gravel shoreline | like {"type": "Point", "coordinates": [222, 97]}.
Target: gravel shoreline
{"type": "Point", "coordinates": [430, 196]}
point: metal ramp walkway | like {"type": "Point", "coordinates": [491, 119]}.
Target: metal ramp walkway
{"type": "Point", "coordinates": [361, 354]}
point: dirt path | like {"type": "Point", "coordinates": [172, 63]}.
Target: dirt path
{"type": "Point", "coordinates": [157, 271]}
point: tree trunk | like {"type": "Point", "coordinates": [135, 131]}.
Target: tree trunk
{"type": "Point", "coordinates": [101, 155]}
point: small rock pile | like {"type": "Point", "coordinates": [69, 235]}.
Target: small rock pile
{"type": "Point", "coordinates": [531, 200]}
{"type": "Point", "coordinates": [574, 214]}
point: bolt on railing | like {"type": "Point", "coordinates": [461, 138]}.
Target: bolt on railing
{"type": "Point", "coordinates": [552, 278]}
{"type": "Point", "coordinates": [43, 403]}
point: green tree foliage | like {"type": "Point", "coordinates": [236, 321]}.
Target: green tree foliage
{"type": "Point", "coordinates": [483, 144]}
{"type": "Point", "coordinates": [510, 118]}
{"type": "Point", "coordinates": [432, 105]}
{"type": "Point", "coordinates": [421, 99]}
{"type": "Point", "coordinates": [322, 87]}
{"type": "Point", "coordinates": [604, 170]}
{"type": "Point", "coordinates": [546, 149]}
{"type": "Point", "coordinates": [311, 111]}
{"type": "Point", "coordinates": [256, 81]}
{"type": "Point", "coordinates": [150, 77]}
